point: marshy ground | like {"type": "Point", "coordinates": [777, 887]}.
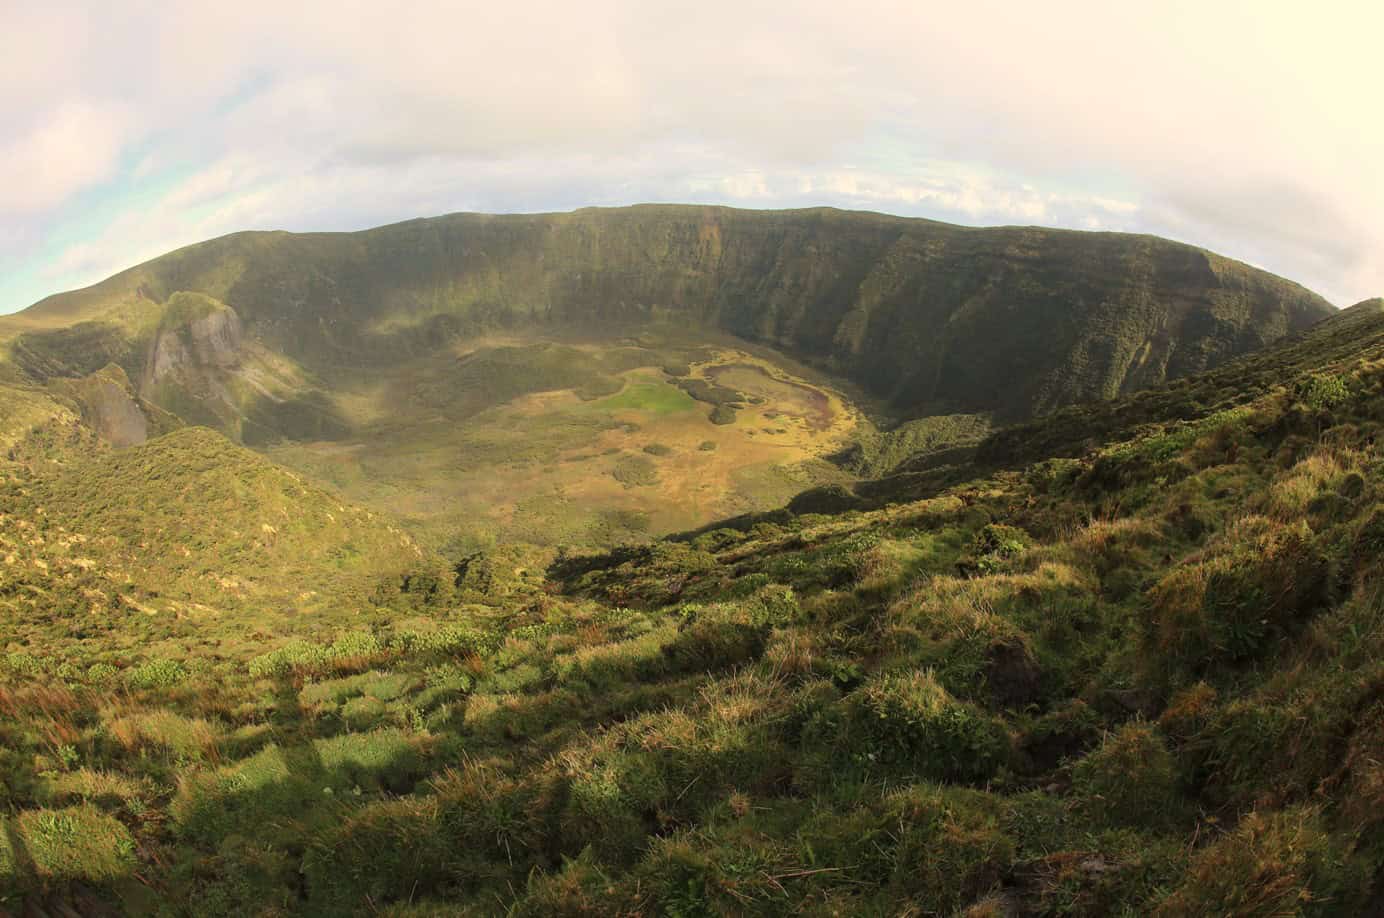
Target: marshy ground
{"type": "Point", "coordinates": [580, 443]}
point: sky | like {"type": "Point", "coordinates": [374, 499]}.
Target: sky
{"type": "Point", "coordinates": [128, 129]}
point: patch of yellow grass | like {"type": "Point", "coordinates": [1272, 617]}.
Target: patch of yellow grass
{"type": "Point", "coordinates": [183, 736]}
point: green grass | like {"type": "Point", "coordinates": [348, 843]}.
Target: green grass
{"type": "Point", "coordinates": [527, 470]}
{"type": "Point", "coordinates": [654, 398]}
{"type": "Point", "coordinates": [78, 843]}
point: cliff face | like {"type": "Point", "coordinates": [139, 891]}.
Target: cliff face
{"type": "Point", "coordinates": [933, 317]}
{"type": "Point", "coordinates": [209, 341]}
{"type": "Point", "coordinates": [108, 404]}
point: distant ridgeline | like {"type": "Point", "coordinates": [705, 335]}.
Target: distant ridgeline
{"type": "Point", "coordinates": [247, 332]}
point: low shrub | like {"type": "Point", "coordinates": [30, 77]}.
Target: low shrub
{"type": "Point", "coordinates": [452, 641]}
{"type": "Point", "coordinates": [496, 824]}
{"type": "Point", "coordinates": [722, 414]}
{"type": "Point", "coordinates": [580, 889]}
{"type": "Point", "coordinates": [1322, 391]}
{"type": "Point", "coordinates": [938, 847]}
{"type": "Point", "coordinates": [156, 674]}
{"type": "Point", "coordinates": [25, 664]}
{"type": "Point", "coordinates": [296, 655]}
{"type": "Point", "coordinates": [908, 724]}
{"type": "Point", "coordinates": [952, 849]}
{"type": "Point", "coordinates": [351, 650]}
{"type": "Point", "coordinates": [611, 804]}
{"type": "Point", "coordinates": [1258, 582]}
{"type": "Point", "coordinates": [1278, 863]}
{"type": "Point", "coordinates": [993, 546]}
{"type": "Point", "coordinates": [101, 673]}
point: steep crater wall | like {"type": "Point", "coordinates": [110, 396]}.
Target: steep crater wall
{"type": "Point", "coordinates": [933, 318]}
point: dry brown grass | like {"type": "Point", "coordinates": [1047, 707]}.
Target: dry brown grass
{"type": "Point", "coordinates": [1290, 495]}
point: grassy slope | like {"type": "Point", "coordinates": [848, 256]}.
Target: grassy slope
{"type": "Point", "coordinates": [1342, 339]}
{"type": "Point", "coordinates": [1139, 680]}
{"type": "Point", "coordinates": [179, 546]}
{"type": "Point", "coordinates": [389, 362]}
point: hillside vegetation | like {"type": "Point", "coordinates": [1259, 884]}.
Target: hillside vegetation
{"type": "Point", "coordinates": [1138, 674]}
{"type": "Point", "coordinates": [182, 544]}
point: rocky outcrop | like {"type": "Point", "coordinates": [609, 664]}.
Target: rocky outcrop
{"type": "Point", "coordinates": [209, 342]}
{"type": "Point", "coordinates": [109, 406]}
{"type": "Point", "coordinates": [113, 413]}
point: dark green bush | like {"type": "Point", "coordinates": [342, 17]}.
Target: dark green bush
{"type": "Point", "coordinates": [992, 546]}
{"type": "Point", "coordinates": [722, 414]}
{"type": "Point", "coordinates": [907, 724]}
{"type": "Point", "coordinates": [1130, 779]}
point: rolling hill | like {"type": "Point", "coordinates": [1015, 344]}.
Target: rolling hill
{"type": "Point", "coordinates": [923, 314]}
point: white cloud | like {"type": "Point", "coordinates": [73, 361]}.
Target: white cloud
{"type": "Point", "coordinates": [1250, 129]}
{"type": "Point", "coordinates": [77, 145]}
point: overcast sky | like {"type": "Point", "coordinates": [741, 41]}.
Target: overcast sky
{"type": "Point", "coordinates": [128, 129]}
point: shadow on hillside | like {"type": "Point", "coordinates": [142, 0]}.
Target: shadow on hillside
{"type": "Point", "coordinates": [23, 892]}
{"type": "Point", "coordinates": [300, 754]}
{"type": "Point", "coordinates": [21, 863]}
{"type": "Point", "coordinates": [267, 791]}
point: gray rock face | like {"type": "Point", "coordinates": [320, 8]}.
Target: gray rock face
{"type": "Point", "coordinates": [114, 414]}
{"type": "Point", "coordinates": [216, 338]}
{"type": "Point", "coordinates": [213, 341]}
